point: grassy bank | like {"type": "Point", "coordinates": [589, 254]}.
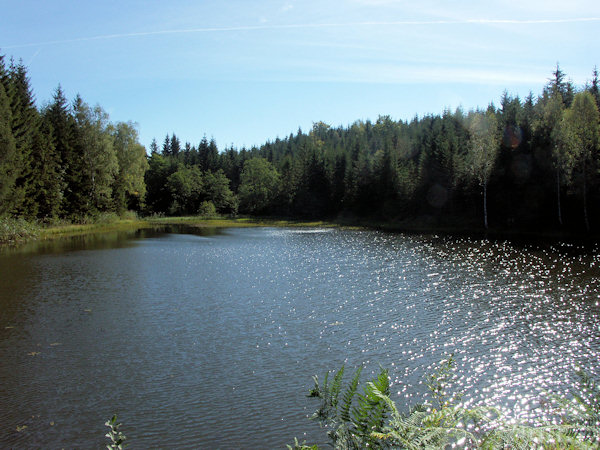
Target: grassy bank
{"type": "Point", "coordinates": [18, 231]}
{"type": "Point", "coordinates": [238, 222]}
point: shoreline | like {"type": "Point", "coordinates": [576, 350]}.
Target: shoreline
{"type": "Point", "coordinates": [30, 232]}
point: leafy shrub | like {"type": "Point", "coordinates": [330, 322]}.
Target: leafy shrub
{"type": "Point", "coordinates": [207, 209]}
{"type": "Point", "coordinates": [129, 215]}
{"type": "Point", "coordinates": [15, 230]}
{"type": "Point", "coordinates": [372, 420]}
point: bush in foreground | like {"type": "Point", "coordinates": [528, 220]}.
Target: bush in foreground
{"type": "Point", "coordinates": [370, 419]}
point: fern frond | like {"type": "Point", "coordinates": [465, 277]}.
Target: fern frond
{"type": "Point", "coordinates": [526, 437]}
{"type": "Point", "coordinates": [349, 396]}
{"type": "Point", "coordinates": [336, 386]}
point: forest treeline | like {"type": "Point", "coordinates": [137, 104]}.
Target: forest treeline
{"type": "Point", "coordinates": [65, 160]}
{"type": "Point", "coordinates": [525, 164]}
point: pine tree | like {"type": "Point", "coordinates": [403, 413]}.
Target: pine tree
{"type": "Point", "coordinates": [594, 88]}
{"type": "Point", "coordinates": [61, 125]}
{"type": "Point", "coordinates": [153, 147]}
{"type": "Point", "coordinates": [8, 154]}
{"type": "Point", "coordinates": [47, 187]}
{"type": "Point", "coordinates": [25, 122]}
{"type": "Point", "coordinates": [558, 85]}
{"type": "Point", "coordinates": [166, 147]}
{"type": "Point", "coordinates": [175, 146]}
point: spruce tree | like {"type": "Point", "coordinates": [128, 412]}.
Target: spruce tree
{"type": "Point", "coordinates": [61, 125]}
{"type": "Point", "coordinates": [594, 88]}
{"type": "Point", "coordinates": [25, 122]}
{"type": "Point", "coordinates": [8, 154]}
{"type": "Point", "coordinates": [166, 147]}
{"type": "Point", "coordinates": [47, 186]}
{"type": "Point", "coordinates": [175, 145]}
{"type": "Point", "coordinates": [153, 147]}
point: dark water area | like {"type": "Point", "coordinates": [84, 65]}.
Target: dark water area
{"type": "Point", "coordinates": [209, 339]}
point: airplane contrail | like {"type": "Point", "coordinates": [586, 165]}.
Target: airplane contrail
{"type": "Point", "coordinates": [309, 25]}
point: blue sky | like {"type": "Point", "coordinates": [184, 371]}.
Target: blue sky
{"type": "Point", "coordinates": [245, 72]}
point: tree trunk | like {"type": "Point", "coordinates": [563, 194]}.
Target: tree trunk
{"type": "Point", "coordinates": [560, 222]}
{"type": "Point", "coordinates": [485, 220]}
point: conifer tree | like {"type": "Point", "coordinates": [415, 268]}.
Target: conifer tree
{"type": "Point", "coordinates": [8, 154]}
{"type": "Point", "coordinates": [166, 147]}
{"type": "Point", "coordinates": [595, 88]}
{"type": "Point", "coordinates": [61, 124]}
{"type": "Point", "coordinates": [25, 123]}
{"type": "Point", "coordinates": [153, 147]}
{"type": "Point", "coordinates": [175, 146]}
{"type": "Point", "coordinates": [47, 186]}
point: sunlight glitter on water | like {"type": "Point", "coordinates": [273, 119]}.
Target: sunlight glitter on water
{"type": "Point", "coordinates": [250, 315]}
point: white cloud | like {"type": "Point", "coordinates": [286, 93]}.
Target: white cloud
{"type": "Point", "coordinates": [331, 25]}
{"type": "Point", "coordinates": [287, 7]}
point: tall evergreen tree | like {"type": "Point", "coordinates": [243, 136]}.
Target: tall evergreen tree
{"type": "Point", "coordinates": [153, 147]}
{"type": "Point", "coordinates": [47, 187]}
{"type": "Point", "coordinates": [166, 147]}
{"type": "Point", "coordinates": [62, 125]}
{"type": "Point", "coordinates": [595, 88]}
{"type": "Point", "coordinates": [8, 154]}
{"type": "Point", "coordinates": [25, 123]}
{"type": "Point", "coordinates": [175, 145]}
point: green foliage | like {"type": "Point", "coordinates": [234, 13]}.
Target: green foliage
{"type": "Point", "coordinates": [66, 161]}
{"type": "Point", "coordinates": [207, 209]}
{"type": "Point", "coordinates": [581, 131]}
{"type": "Point", "coordinates": [301, 446]}
{"type": "Point", "coordinates": [372, 420]}
{"type": "Point", "coordinates": [96, 163]}
{"type": "Point", "coordinates": [15, 230]}
{"type": "Point", "coordinates": [129, 188]}
{"type": "Point", "coordinates": [259, 182]}
{"type": "Point", "coordinates": [352, 421]}
{"type": "Point", "coordinates": [581, 411]}
{"type": "Point", "coordinates": [116, 437]}
{"type": "Point", "coordinates": [216, 191]}
{"type": "Point", "coordinates": [8, 155]}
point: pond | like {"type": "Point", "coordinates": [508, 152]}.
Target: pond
{"type": "Point", "coordinates": [210, 340]}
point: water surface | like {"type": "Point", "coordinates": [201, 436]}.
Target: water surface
{"type": "Point", "coordinates": [210, 341]}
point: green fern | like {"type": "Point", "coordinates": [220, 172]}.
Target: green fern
{"type": "Point", "coordinates": [349, 396]}
{"type": "Point", "coordinates": [370, 412]}
{"type": "Point", "coordinates": [371, 419]}
{"type": "Point", "coordinates": [349, 415]}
